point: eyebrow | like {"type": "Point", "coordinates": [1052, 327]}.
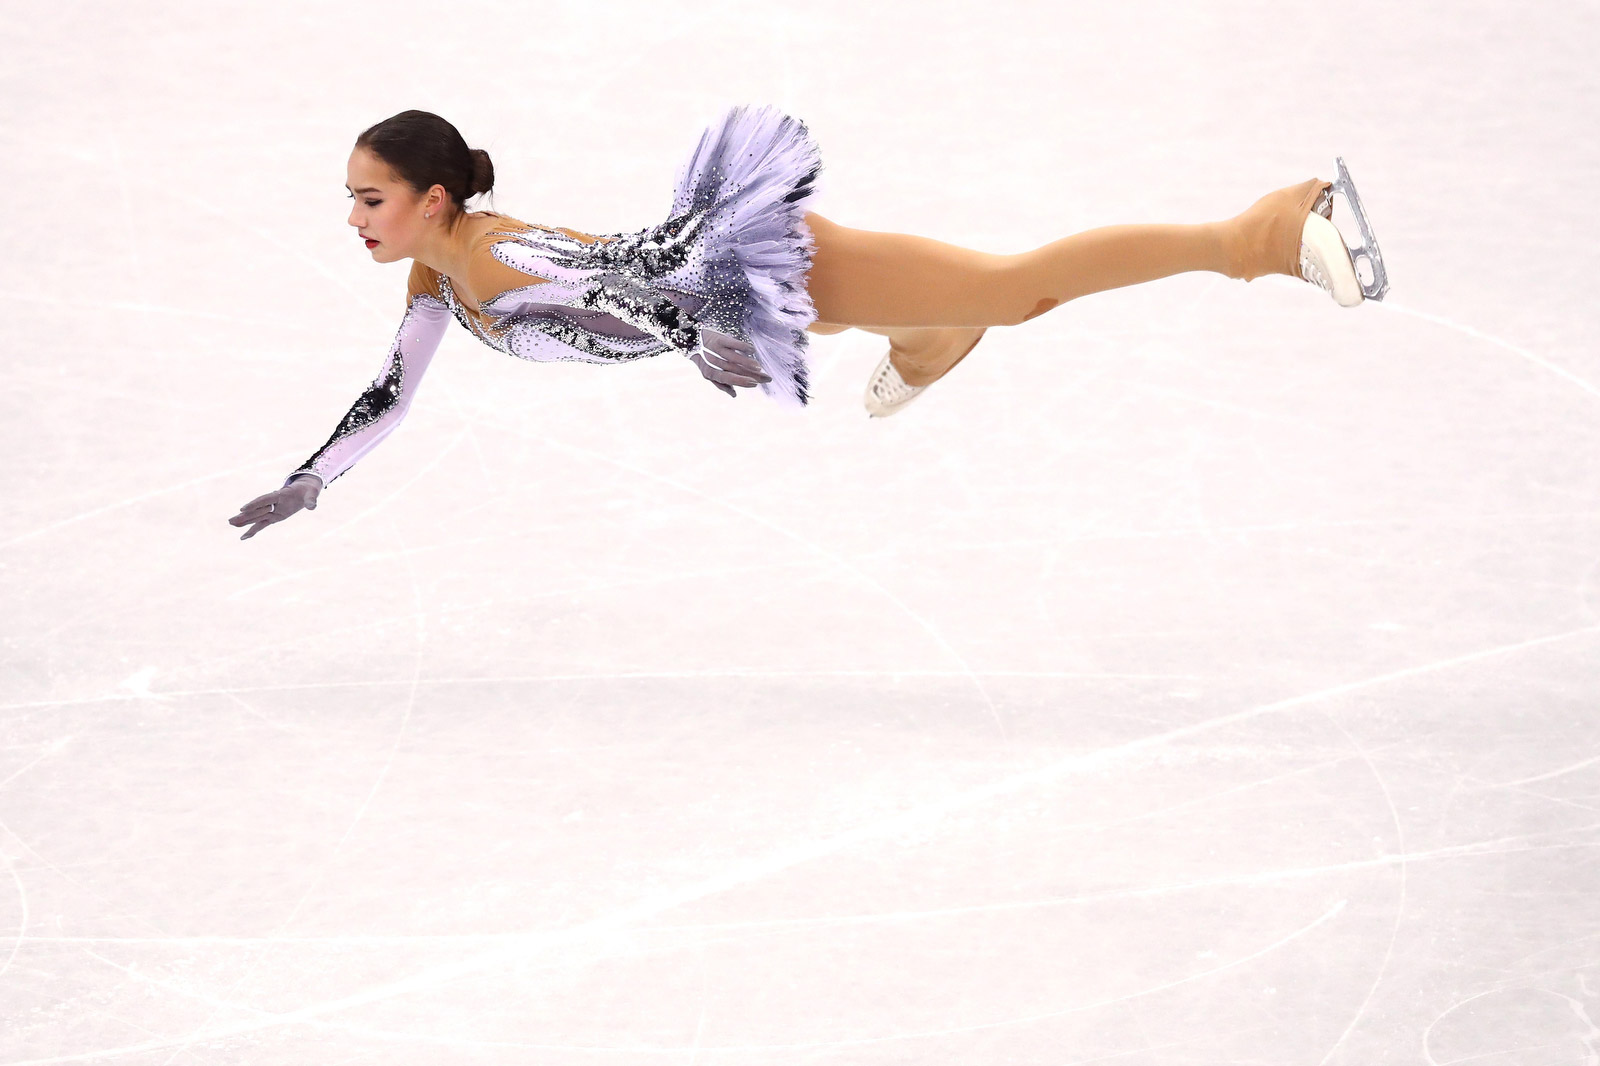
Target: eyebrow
{"type": "Point", "coordinates": [364, 188]}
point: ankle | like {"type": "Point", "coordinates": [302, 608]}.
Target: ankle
{"type": "Point", "coordinates": [1249, 241]}
{"type": "Point", "coordinates": [934, 352]}
{"type": "Point", "coordinates": [911, 373]}
{"type": "Point", "coordinates": [1233, 257]}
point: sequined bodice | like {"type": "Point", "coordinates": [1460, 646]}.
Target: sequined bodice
{"type": "Point", "coordinates": [483, 324]}
{"type": "Point", "coordinates": [563, 295]}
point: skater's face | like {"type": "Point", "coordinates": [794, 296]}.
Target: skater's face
{"type": "Point", "coordinates": [387, 213]}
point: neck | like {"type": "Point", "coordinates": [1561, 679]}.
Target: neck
{"type": "Point", "coordinates": [447, 245]}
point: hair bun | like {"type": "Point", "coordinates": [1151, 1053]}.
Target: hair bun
{"type": "Point", "coordinates": [482, 172]}
{"type": "Point", "coordinates": [424, 150]}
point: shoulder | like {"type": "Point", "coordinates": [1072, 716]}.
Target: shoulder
{"type": "Point", "coordinates": [495, 222]}
{"type": "Point", "coordinates": [488, 275]}
{"type": "Point", "coordinates": [507, 224]}
{"type": "Point", "coordinates": [586, 238]}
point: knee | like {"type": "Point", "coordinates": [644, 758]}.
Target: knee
{"type": "Point", "coordinates": [1017, 311]}
{"type": "Point", "coordinates": [1041, 307]}
{"type": "Point", "coordinates": [1020, 299]}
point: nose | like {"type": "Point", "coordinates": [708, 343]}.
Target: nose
{"type": "Point", "coordinates": [353, 220]}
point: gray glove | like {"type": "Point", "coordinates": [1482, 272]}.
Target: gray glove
{"type": "Point", "coordinates": [299, 494]}
{"type": "Point", "coordinates": [727, 361]}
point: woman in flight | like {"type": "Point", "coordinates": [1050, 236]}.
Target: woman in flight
{"type": "Point", "coordinates": [741, 271]}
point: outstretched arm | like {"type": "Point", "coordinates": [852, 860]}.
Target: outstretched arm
{"type": "Point", "coordinates": [374, 415]}
{"type": "Point", "coordinates": [380, 409]}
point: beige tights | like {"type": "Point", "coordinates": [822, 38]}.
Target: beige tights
{"type": "Point", "coordinates": [934, 300]}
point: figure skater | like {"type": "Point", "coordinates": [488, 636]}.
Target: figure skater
{"type": "Point", "coordinates": [740, 272]}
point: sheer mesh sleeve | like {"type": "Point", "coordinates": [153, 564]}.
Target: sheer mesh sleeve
{"type": "Point", "coordinates": [380, 409]}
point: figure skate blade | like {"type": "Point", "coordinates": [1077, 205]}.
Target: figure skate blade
{"type": "Point", "coordinates": [1368, 249]}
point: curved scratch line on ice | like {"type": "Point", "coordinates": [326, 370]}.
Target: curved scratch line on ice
{"type": "Point", "coordinates": [49, 749]}
{"type": "Point", "coordinates": [1440, 320]}
{"type": "Point", "coordinates": [817, 1045]}
{"type": "Point", "coordinates": [1558, 772]}
{"type": "Point", "coordinates": [743, 928]}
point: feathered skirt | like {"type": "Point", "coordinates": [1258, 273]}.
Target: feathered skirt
{"type": "Point", "coordinates": [745, 184]}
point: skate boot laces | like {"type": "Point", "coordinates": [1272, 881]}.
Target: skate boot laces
{"type": "Point", "coordinates": [1324, 204]}
{"type": "Point", "coordinates": [1311, 272]}
{"type": "Point", "coordinates": [1308, 262]}
{"type": "Point", "coordinates": [889, 388]}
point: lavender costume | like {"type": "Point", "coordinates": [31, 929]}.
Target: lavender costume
{"type": "Point", "coordinates": [732, 257]}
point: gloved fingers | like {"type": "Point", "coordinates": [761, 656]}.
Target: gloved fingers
{"type": "Point", "coordinates": [260, 501]}
{"type": "Point", "coordinates": [744, 363]}
{"type": "Point", "coordinates": [259, 526]}
{"type": "Point", "coordinates": [729, 389]}
{"type": "Point", "coordinates": [726, 375]}
{"type": "Point", "coordinates": [745, 370]}
{"type": "Point", "coordinates": [275, 505]}
{"type": "Point", "coordinates": [742, 372]}
{"type": "Point", "coordinates": [708, 369]}
{"type": "Point", "coordinates": [244, 518]}
{"type": "Point", "coordinates": [278, 503]}
{"type": "Point", "coordinates": [738, 362]}
{"type": "Point", "coordinates": [722, 377]}
{"type": "Point", "coordinates": [722, 343]}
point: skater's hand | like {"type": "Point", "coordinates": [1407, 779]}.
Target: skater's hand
{"type": "Point", "coordinates": [727, 361]}
{"type": "Point", "coordinates": [263, 511]}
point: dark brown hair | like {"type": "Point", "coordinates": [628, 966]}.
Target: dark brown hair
{"type": "Point", "coordinates": [424, 150]}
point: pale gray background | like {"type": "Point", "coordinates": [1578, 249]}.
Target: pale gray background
{"type": "Point", "coordinates": [1202, 674]}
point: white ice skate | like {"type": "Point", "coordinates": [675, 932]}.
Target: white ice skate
{"type": "Point", "coordinates": [1326, 262]}
{"type": "Point", "coordinates": [887, 391]}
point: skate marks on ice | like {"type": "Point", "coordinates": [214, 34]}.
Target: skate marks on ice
{"type": "Point", "coordinates": [1489, 338]}
{"type": "Point", "coordinates": [513, 949]}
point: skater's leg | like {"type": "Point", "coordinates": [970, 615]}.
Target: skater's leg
{"type": "Point", "coordinates": [826, 328]}
{"type": "Point", "coordinates": [867, 278]}
{"type": "Point", "coordinates": [924, 354]}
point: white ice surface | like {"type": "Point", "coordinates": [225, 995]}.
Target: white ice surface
{"type": "Point", "coordinates": [1201, 674]}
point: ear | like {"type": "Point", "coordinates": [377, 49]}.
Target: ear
{"type": "Point", "coordinates": [434, 200]}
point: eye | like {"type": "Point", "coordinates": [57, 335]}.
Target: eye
{"type": "Point", "coordinates": [374, 203]}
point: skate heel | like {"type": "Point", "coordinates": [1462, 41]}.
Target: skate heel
{"type": "Point", "coordinates": [1325, 262]}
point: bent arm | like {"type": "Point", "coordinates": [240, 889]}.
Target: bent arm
{"type": "Point", "coordinates": [644, 308]}
{"type": "Point", "coordinates": [380, 409]}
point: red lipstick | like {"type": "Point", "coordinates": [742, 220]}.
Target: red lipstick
{"type": "Point", "coordinates": [371, 243]}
